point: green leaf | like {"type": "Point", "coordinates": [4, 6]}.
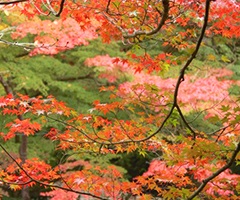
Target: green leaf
{"type": "Point", "coordinates": [116, 4]}
{"type": "Point", "coordinates": [214, 119]}
{"type": "Point", "coordinates": [237, 162]}
{"type": "Point", "coordinates": [225, 108]}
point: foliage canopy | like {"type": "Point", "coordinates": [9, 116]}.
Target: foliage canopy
{"type": "Point", "coordinates": [166, 97]}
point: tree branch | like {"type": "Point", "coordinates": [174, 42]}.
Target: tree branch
{"type": "Point", "coordinates": [182, 72]}
{"type": "Point", "coordinates": [107, 7]}
{"type": "Point", "coordinates": [27, 46]}
{"type": "Point", "coordinates": [61, 8]}
{"type": "Point", "coordinates": [45, 184]}
{"type": "Point", "coordinates": [185, 121]}
{"type": "Point", "coordinates": [12, 2]}
{"type": "Point", "coordinates": [175, 103]}
{"type": "Point", "coordinates": [215, 174]}
{"type": "Point", "coordinates": [165, 4]}
{"type": "Point", "coordinates": [7, 88]}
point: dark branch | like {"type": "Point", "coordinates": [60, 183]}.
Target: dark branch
{"type": "Point", "coordinates": [215, 174]}
{"type": "Point", "coordinates": [61, 8]}
{"type": "Point", "coordinates": [185, 121]}
{"type": "Point", "coordinates": [7, 88]}
{"type": "Point", "coordinates": [12, 2]}
{"type": "Point", "coordinates": [108, 4]}
{"type": "Point", "coordinates": [182, 73]}
{"type": "Point", "coordinates": [158, 28]}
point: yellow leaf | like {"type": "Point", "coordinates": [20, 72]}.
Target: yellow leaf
{"type": "Point", "coordinates": [225, 59]}
{"type": "Point", "coordinates": [142, 152]}
{"type": "Point", "coordinates": [211, 57]}
{"type": "Point", "coordinates": [15, 187]}
{"type": "Point", "coordinates": [3, 26]}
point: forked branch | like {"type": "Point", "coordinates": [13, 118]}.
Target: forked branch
{"type": "Point", "coordinates": [181, 76]}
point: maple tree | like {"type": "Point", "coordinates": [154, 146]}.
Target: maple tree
{"type": "Point", "coordinates": [188, 162]}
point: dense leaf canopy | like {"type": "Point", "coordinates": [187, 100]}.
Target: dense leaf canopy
{"type": "Point", "coordinates": [112, 84]}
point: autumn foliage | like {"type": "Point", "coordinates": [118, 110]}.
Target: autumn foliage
{"type": "Point", "coordinates": [147, 111]}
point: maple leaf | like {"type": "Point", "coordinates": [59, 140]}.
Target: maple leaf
{"type": "Point", "coordinates": [15, 187]}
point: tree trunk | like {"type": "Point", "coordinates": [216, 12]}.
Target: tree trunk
{"type": "Point", "coordinates": [23, 156]}
{"type": "Point", "coordinates": [25, 193]}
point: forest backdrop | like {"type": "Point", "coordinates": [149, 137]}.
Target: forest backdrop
{"type": "Point", "coordinates": [116, 99]}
